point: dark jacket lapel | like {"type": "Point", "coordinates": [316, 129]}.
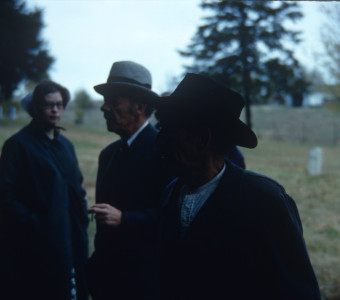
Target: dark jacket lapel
{"type": "Point", "coordinates": [226, 197]}
{"type": "Point", "coordinates": [122, 165]}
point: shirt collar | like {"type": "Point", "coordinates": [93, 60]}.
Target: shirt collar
{"type": "Point", "coordinates": [133, 137]}
{"type": "Point", "coordinates": [212, 182]}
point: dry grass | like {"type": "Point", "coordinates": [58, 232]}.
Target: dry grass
{"type": "Point", "coordinates": [317, 198]}
{"type": "Point", "coordinates": [282, 154]}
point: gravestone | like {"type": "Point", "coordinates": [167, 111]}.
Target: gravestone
{"type": "Point", "coordinates": [13, 113]}
{"type": "Point", "coordinates": [1, 113]}
{"type": "Point", "coordinates": [315, 161]}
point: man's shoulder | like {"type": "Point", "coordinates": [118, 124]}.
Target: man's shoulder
{"type": "Point", "coordinates": [255, 182]}
{"type": "Point", "coordinates": [144, 145]}
{"type": "Point", "coordinates": [147, 136]}
{"type": "Point", "coordinates": [109, 148]}
{"type": "Point", "coordinates": [106, 153]}
{"type": "Point", "coordinates": [238, 179]}
{"type": "Point", "coordinates": [251, 191]}
{"type": "Point", "coordinates": [262, 193]}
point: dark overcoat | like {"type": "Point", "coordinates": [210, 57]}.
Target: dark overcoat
{"type": "Point", "coordinates": [43, 217]}
{"type": "Point", "coordinates": [245, 243]}
{"type": "Point", "coordinates": [123, 264]}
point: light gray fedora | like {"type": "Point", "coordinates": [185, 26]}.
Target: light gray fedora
{"type": "Point", "coordinates": [128, 78]}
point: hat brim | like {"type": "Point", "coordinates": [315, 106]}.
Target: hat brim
{"type": "Point", "coordinates": [125, 89]}
{"type": "Point", "coordinates": [243, 136]}
{"type": "Point", "coordinates": [240, 133]}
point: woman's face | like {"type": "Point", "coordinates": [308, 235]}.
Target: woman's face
{"type": "Point", "coordinates": [51, 109]}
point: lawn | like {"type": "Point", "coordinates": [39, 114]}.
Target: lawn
{"type": "Point", "coordinates": [285, 137]}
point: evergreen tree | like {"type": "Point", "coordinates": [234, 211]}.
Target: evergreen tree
{"type": "Point", "coordinates": [239, 39]}
{"type": "Point", "coordinates": [82, 101]}
{"type": "Point", "coordinates": [23, 55]}
{"type": "Point", "coordinates": [283, 80]}
{"type": "Point", "coordinates": [330, 33]}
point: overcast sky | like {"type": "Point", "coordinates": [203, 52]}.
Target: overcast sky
{"type": "Point", "coordinates": [87, 36]}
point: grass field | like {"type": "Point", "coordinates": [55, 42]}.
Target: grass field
{"type": "Point", "coordinates": [285, 137]}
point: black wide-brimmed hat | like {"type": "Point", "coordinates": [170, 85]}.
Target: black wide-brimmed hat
{"type": "Point", "coordinates": [205, 100]}
{"type": "Point", "coordinates": [128, 78]}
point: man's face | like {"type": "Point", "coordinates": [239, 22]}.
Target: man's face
{"type": "Point", "coordinates": [181, 151]}
{"type": "Point", "coordinates": [52, 109]}
{"type": "Point", "coordinates": [119, 114]}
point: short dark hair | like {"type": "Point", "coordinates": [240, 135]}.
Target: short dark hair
{"type": "Point", "coordinates": [222, 139]}
{"type": "Point", "coordinates": [46, 87]}
{"type": "Point", "coordinates": [199, 125]}
{"type": "Point", "coordinates": [149, 109]}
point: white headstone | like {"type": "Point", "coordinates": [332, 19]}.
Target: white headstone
{"type": "Point", "coordinates": [315, 161]}
{"type": "Point", "coordinates": [13, 113]}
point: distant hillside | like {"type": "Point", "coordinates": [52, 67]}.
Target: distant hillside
{"type": "Point", "coordinates": [315, 125]}
{"type": "Point", "coordinates": [305, 124]}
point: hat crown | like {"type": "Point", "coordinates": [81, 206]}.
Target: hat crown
{"type": "Point", "coordinates": [127, 78]}
{"type": "Point", "coordinates": [198, 90]}
{"type": "Point", "coordinates": [200, 99]}
{"type": "Point", "coordinates": [129, 71]}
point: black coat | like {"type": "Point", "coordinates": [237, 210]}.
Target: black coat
{"type": "Point", "coordinates": [43, 217]}
{"type": "Point", "coordinates": [245, 243]}
{"type": "Point", "coordinates": [123, 264]}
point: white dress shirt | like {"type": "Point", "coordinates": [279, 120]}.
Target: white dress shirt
{"type": "Point", "coordinates": [191, 200]}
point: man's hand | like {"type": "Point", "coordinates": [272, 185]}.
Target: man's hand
{"type": "Point", "coordinates": [106, 214]}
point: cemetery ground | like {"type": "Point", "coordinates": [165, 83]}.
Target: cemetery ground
{"type": "Point", "coordinates": [286, 136]}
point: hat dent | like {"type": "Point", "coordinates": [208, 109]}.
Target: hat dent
{"type": "Point", "coordinates": [130, 70]}
{"type": "Point", "coordinates": [129, 78]}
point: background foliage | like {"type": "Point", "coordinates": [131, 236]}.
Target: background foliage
{"type": "Point", "coordinates": [245, 45]}
{"type": "Point", "coordinates": [23, 54]}
{"type": "Point", "coordinates": [82, 102]}
{"type": "Point", "coordinates": [330, 35]}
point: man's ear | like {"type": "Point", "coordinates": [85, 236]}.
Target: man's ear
{"type": "Point", "coordinates": [140, 108]}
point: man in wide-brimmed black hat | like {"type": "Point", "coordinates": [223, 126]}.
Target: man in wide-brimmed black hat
{"type": "Point", "coordinates": [226, 233]}
{"type": "Point", "coordinates": [129, 182]}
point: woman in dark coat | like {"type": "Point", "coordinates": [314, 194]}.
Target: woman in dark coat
{"type": "Point", "coordinates": [43, 213]}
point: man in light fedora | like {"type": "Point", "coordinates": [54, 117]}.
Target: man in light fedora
{"type": "Point", "coordinates": [129, 182]}
{"type": "Point", "coordinates": [226, 233]}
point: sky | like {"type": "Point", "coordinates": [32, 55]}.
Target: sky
{"type": "Point", "coordinates": [87, 36]}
